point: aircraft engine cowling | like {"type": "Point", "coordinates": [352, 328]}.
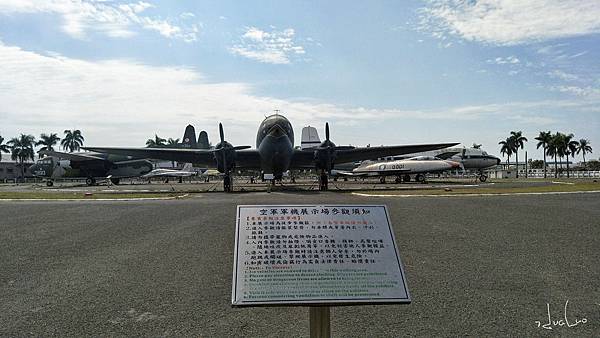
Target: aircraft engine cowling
{"type": "Point", "coordinates": [225, 153]}
{"type": "Point", "coordinates": [325, 156]}
{"type": "Point", "coordinates": [325, 153]}
{"type": "Point", "coordinates": [225, 157]}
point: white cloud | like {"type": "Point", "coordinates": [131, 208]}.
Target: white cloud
{"type": "Point", "coordinates": [276, 47]}
{"type": "Point", "coordinates": [506, 60]}
{"type": "Point", "coordinates": [131, 101]}
{"type": "Point", "coordinates": [559, 74]}
{"type": "Point", "coordinates": [510, 22]}
{"type": "Point", "coordinates": [80, 17]}
{"type": "Point", "coordinates": [587, 91]}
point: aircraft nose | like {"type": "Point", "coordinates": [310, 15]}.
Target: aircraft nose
{"type": "Point", "coordinates": [276, 131]}
{"type": "Point", "coordinates": [32, 169]}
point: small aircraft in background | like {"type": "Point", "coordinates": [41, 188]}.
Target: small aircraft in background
{"type": "Point", "coordinates": [186, 171]}
{"type": "Point", "coordinates": [403, 169]}
{"type": "Point", "coordinates": [88, 165]}
{"type": "Point", "coordinates": [476, 159]}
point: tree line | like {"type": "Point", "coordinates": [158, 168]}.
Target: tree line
{"type": "Point", "coordinates": [21, 148]}
{"type": "Point", "coordinates": [556, 146]}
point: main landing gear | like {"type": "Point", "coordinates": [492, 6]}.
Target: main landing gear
{"type": "Point", "coordinates": [482, 178]}
{"type": "Point", "coordinates": [420, 178]}
{"type": "Point", "coordinates": [90, 181]}
{"type": "Point", "coordinates": [49, 183]}
{"type": "Point", "coordinates": [323, 181]}
{"type": "Point", "coordinates": [227, 183]}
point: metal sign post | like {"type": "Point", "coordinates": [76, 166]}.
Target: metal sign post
{"type": "Point", "coordinates": [319, 322]}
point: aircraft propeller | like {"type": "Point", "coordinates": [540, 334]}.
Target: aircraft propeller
{"type": "Point", "coordinates": [225, 155]}
{"type": "Point", "coordinates": [325, 155]}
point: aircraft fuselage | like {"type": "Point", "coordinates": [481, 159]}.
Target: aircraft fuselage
{"type": "Point", "coordinates": [275, 144]}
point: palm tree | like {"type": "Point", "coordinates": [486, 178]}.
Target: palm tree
{"type": "Point", "coordinates": [22, 150]}
{"type": "Point", "coordinates": [584, 148]}
{"type": "Point", "coordinates": [72, 141]}
{"type": "Point", "coordinates": [552, 150]}
{"type": "Point", "coordinates": [518, 142]}
{"type": "Point", "coordinates": [157, 142]}
{"type": "Point", "coordinates": [5, 148]}
{"type": "Point", "coordinates": [570, 146]}
{"type": "Point", "coordinates": [561, 144]}
{"type": "Point", "coordinates": [172, 143]}
{"type": "Point", "coordinates": [48, 141]}
{"type": "Point", "coordinates": [543, 141]}
{"type": "Point", "coordinates": [506, 149]}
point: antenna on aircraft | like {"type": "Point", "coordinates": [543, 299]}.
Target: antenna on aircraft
{"type": "Point", "coordinates": [277, 111]}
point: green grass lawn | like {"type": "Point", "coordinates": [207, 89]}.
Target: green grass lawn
{"type": "Point", "coordinates": [498, 189]}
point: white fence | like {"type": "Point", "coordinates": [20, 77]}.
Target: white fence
{"type": "Point", "coordinates": [538, 173]}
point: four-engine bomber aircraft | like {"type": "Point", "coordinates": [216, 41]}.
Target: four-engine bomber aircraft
{"type": "Point", "coordinates": [403, 169]}
{"type": "Point", "coordinates": [274, 153]}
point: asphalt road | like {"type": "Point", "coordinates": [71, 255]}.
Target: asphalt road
{"type": "Point", "coordinates": [475, 266]}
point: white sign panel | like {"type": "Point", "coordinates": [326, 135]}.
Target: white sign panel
{"type": "Point", "coordinates": [316, 254]}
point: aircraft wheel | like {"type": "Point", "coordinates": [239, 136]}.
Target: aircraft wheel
{"type": "Point", "coordinates": [398, 180]}
{"type": "Point", "coordinates": [323, 182]}
{"type": "Point", "coordinates": [49, 183]}
{"type": "Point", "coordinates": [420, 178]}
{"type": "Point", "coordinates": [382, 179]}
{"type": "Point", "coordinates": [90, 181]}
{"type": "Point", "coordinates": [227, 183]}
{"type": "Point", "coordinates": [180, 179]}
{"type": "Point", "coordinates": [115, 181]}
{"type": "Point", "coordinates": [483, 178]}
{"type": "Point", "coordinates": [406, 178]}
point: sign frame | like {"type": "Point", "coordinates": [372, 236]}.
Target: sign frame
{"type": "Point", "coordinates": [319, 302]}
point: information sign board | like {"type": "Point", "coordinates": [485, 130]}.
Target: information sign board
{"type": "Point", "coordinates": [316, 254]}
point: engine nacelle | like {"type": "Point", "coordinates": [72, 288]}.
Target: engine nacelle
{"type": "Point", "coordinates": [325, 156]}
{"type": "Point", "coordinates": [225, 156]}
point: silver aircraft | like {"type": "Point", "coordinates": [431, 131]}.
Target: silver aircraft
{"type": "Point", "coordinates": [186, 171]}
{"type": "Point", "coordinates": [274, 154]}
{"type": "Point", "coordinates": [403, 169]}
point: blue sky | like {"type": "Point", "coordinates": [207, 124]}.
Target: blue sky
{"type": "Point", "coordinates": [385, 72]}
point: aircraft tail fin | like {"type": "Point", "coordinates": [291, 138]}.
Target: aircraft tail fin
{"type": "Point", "coordinates": [310, 138]}
{"type": "Point", "coordinates": [189, 137]}
{"type": "Point", "coordinates": [203, 140]}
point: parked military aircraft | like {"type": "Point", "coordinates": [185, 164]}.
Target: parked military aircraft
{"type": "Point", "coordinates": [476, 159]}
{"type": "Point", "coordinates": [186, 171]}
{"type": "Point", "coordinates": [88, 165]}
{"type": "Point", "coordinates": [274, 153]}
{"type": "Point", "coordinates": [403, 169]}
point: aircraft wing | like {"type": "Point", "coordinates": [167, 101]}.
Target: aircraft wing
{"type": "Point", "coordinates": [246, 158]}
{"type": "Point", "coordinates": [173, 173]}
{"type": "Point", "coordinates": [446, 155]}
{"type": "Point", "coordinates": [369, 153]}
{"type": "Point", "coordinates": [71, 156]}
